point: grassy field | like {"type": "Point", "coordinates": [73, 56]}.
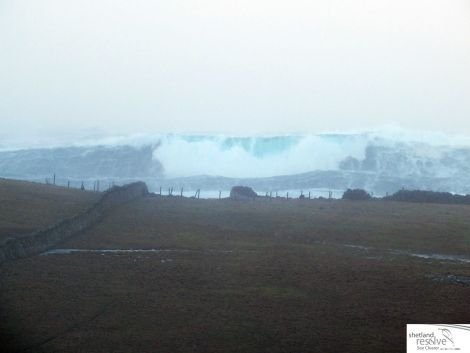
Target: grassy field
{"type": "Point", "coordinates": [26, 206]}
{"type": "Point", "coordinates": [262, 276]}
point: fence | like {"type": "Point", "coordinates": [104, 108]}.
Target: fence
{"type": "Point", "coordinates": [219, 194]}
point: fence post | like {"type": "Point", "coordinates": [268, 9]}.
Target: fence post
{"type": "Point", "coordinates": [181, 192]}
{"type": "Point", "coordinates": [287, 195]}
{"type": "Point", "coordinates": [54, 178]}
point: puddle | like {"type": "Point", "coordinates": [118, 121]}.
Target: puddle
{"type": "Point", "coordinates": [437, 257]}
{"type": "Point", "coordinates": [357, 247]}
{"type": "Point", "coordinates": [345, 245]}
{"type": "Point", "coordinates": [119, 251]}
{"type": "Point", "coordinates": [455, 258]}
{"type": "Point", "coordinates": [70, 251]}
{"type": "Point", "coordinates": [453, 279]}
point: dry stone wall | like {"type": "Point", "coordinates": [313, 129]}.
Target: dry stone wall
{"type": "Point", "coordinates": [42, 240]}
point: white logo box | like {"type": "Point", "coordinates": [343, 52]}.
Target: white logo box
{"type": "Point", "coordinates": [438, 338]}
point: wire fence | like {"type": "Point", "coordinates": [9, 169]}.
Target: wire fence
{"type": "Point", "coordinates": [98, 185]}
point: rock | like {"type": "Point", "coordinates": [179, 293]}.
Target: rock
{"type": "Point", "coordinates": [242, 193]}
{"type": "Point", "coordinates": [356, 194]}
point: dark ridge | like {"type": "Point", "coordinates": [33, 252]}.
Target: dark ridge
{"type": "Point", "coordinates": [423, 196]}
{"type": "Point", "coordinates": [242, 193]}
{"type": "Point", "coordinates": [356, 195]}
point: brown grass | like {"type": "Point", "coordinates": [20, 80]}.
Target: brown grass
{"type": "Point", "coordinates": [199, 224]}
{"type": "Point", "coordinates": [26, 206]}
{"type": "Point", "coordinates": [279, 289]}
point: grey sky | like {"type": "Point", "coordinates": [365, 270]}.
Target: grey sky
{"type": "Point", "coordinates": [247, 66]}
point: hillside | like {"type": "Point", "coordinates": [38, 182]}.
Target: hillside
{"type": "Point", "coordinates": [164, 274]}
{"type": "Point", "coordinates": [26, 206]}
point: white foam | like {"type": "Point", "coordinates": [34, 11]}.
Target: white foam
{"type": "Point", "coordinates": [211, 156]}
{"type": "Point", "coordinates": [265, 156]}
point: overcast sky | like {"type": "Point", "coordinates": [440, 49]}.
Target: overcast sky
{"type": "Point", "coordinates": [226, 66]}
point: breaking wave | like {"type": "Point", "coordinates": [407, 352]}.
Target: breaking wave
{"type": "Point", "coordinates": [254, 156]}
{"type": "Point", "coordinates": [389, 151]}
{"type": "Point", "coordinates": [265, 156]}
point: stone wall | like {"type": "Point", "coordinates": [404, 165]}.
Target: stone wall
{"type": "Point", "coordinates": [42, 240]}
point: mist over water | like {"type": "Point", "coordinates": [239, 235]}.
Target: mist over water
{"type": "Point", "coordinates": [381, 161]}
